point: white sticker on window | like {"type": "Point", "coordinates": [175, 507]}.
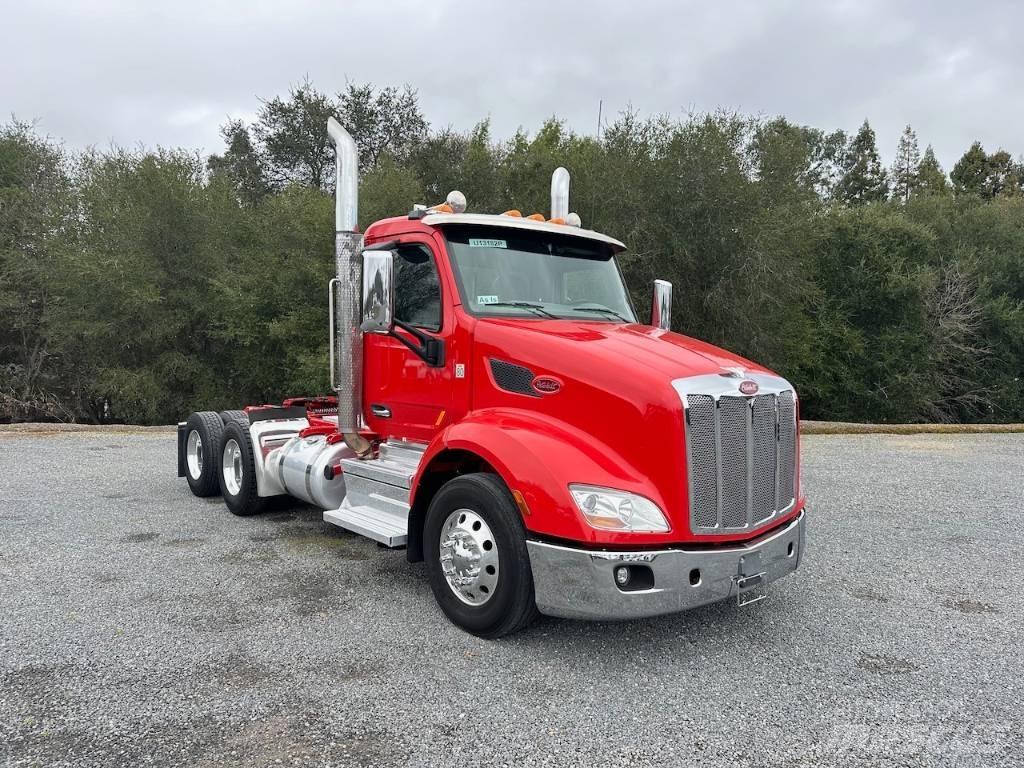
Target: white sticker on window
{"type": "Point", "coordinates": [486, 299]}
{"type": "Point", "coordinates": [480, 242]}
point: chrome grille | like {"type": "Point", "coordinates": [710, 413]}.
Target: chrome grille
{"type": "Point", "coordinates": [741, 453]}
{"type": "Point", "coordinates": [703, 461]}
{"type": "Point", "coordinates": [787, 449]}
{"type": "Point", "coordinates": [762, 418]}
{"type": "Point", "coordinates": [733, 415]}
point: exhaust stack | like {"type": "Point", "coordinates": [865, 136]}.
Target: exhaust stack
{"type": "Point", "coordinates": [560, 194]}
{"type": "Point", "coordinates": [347, 374]}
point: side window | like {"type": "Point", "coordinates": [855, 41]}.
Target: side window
{"type": "Point", "coordinates": [417, 289]}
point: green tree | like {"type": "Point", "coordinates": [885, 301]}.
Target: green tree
{"type": "Point", "coordinates": [35, 205]}
{"type": "Point", "coordinates": [136, 323]}
{"type": "Point", "coordinates": [863, 179]}
{"type": "Point", "coordinates": [293, 137]}
{"type": "Point", "coordinates": [385, 123]}
{"type": "Point", "coordinates": [995, 175]}
{"type": "Point", "coordinates": [243, 165]}
{"type": "Point", "coordinates": [1004, 175]}
{"type": "Point", "coordinates": [140, 285]}
{"type": "Point", "coordinates": [904, 170]}
{"type": "Point", "coordinates": [931, 179]}
{"type": "Point", "coordinates": [970, 174]}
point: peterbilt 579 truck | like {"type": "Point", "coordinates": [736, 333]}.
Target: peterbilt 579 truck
{"type": "Point", "coordinates": [500, 412]}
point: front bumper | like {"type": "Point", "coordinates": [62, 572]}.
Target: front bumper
{"type": "Point", "coordinates": [580, 584]}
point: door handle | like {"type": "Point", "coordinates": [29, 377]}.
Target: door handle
{"type": "Point", "coordinates": [380, 411]}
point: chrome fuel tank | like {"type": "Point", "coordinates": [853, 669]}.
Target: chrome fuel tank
{"type": "Point", "coordinates": [307, 469]}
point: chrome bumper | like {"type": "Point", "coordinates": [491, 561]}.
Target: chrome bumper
{"type": "Point", "coordinates": [580, 584]}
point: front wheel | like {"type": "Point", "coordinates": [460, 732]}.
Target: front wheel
{"type": "Point", "coordinates": [477, 561]}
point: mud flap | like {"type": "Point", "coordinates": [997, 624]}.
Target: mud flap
{"type": "Point", "coordinates": [182, 432]}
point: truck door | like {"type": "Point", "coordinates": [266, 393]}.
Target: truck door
{"type": "Point", "coordinates": [403, 396]}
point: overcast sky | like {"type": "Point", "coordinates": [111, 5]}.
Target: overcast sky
{"type": "Point", "coordinates": [169, 73]}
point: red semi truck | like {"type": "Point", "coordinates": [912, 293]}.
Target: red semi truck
{"type": "Point", "coordinates": [501, 413]}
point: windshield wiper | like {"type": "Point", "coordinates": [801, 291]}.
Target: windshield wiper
{"type": "Point", "coordinates": [604, 310]}
{"type": "Point", "coordinates": [537, 308]}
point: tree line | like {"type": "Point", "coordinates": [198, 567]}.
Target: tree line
{"type": "Point", "coordinates": [137, 285]}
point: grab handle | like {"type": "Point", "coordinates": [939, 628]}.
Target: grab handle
{"type": "Point", "coordinates": [330, 327]}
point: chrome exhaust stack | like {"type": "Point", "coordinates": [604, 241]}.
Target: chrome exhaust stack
{"type": "Point", "coordinates": [346, 336]}
{"type": "Point", "coordinates": [661, 305]}
{"type": "Point", "coordinates": [560, 194]}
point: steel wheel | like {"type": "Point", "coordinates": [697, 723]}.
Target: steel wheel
{"type": "Point", "coordinates": [194, 454]}
{"type": "Point", "coordinates": [469, 557]}
{"type": "Point", "coordinates": [231, 467]}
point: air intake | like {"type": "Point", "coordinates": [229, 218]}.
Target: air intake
{"type": "Point", "coordinates": [513, 378]}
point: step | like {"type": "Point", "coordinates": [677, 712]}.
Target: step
{"type": "Point", "coordinates": [403, 452]}
{"type": "Point", "coordinates": [389, 528]}
{"type": "Point", "coordinates": [380, 470]}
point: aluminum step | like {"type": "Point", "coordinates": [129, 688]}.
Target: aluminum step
{"type": "Point", "coordinates": [403, 452]}
{"type": "Point", "coordinates": [379, 471]}
{"type": "Point", "coordinates": [376, 501]}
{"type": "Point", "coordinates": [390, 528]}
{"type": "Point", "coordinates": [396, 465]}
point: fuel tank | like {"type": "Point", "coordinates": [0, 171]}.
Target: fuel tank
{"type": "Point", "coordinates": [306, 467]}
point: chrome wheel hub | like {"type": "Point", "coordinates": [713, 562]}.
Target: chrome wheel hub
{"type": "Point", "coordinates": [469, 557]}
{"type": "Point", "coordinates": [194, 455]}
{"type": "Point", "coordinates": [231, 466]}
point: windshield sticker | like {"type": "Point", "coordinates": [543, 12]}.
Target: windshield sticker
{"type": "Point", "coordinates": [486, 299]}
{"type": "Point", "coordinates": [480, 242]}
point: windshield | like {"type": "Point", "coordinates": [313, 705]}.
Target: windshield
{"type": "Point", "coordinates": [521, 273]}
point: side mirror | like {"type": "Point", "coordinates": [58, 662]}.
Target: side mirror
{"type": "Point", "coordinates": [661, 305]}
{"type": "Point", "coordinates": [378, 292]}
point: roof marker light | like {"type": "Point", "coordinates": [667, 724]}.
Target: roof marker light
{"type": "Point", "coordinates": [536, 217]}
{"type": "Point", "coordinates": [556, 221]}
{"type": "Point", "coordinates": [514, 213]}
{"type": "Point", "coordinates": [456, 201]}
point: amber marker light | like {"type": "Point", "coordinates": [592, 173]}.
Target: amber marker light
{"type": "Point", "coordinates": [521, 503]}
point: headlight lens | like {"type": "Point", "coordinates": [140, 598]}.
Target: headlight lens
{"type": "Point", "coordinates": [612, 510]}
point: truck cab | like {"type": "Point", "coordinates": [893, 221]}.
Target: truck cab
{"type": "Point", "coordinates": [502, 413]}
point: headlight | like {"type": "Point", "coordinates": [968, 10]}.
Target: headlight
{"type": "Point", "coordinates": [612, 510]}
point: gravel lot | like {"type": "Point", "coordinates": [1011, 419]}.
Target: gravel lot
{"type": "Point", "coordinates": [143, 626]}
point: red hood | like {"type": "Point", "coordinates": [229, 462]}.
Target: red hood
{"type": "Point", "coordinates": [616, 399]}
{"type": "Point", "coordinates": [636, 348]}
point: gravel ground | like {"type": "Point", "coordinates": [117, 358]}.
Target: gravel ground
{"type": "Point", "coordinates": [143, 626]}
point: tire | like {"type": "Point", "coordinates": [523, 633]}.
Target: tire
{"type": "Point", "coordinates": [474, 516]}
{"type": "Point", "coordinates": [236, 471]}
{"type": "Point", "coordinates": [240, 416]}
{"type": "Point", "coordinates": [203, 432]}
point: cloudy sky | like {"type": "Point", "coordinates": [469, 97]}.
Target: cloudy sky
{"type": "Point", "coordinates": [169, 73]}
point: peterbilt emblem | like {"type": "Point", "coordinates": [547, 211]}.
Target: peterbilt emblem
{"type": "Point", "coordinates": [546, 385]}
{"type": "Point", "coordinates": [748, 387]}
